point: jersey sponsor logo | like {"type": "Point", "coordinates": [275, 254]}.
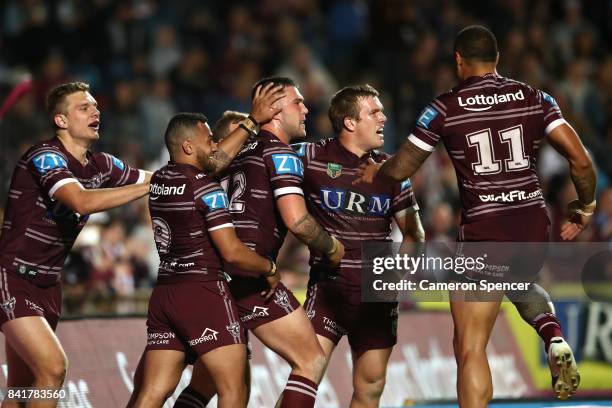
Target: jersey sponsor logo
{"type": "Point", "coordinates": [288, 164]}
{"type": "Point", "coordinates": [118, 163]}
{"type": "Point", "coordinates": [161, 235]}
{"type": "Point", "coordinates": [207, 335]}
{"type": "Point", "coordinates": [510, 196]}
{"type": "Point", "coordinates": [405, 184]}
{"type": "Point", "coordinates": [427, 115]}
{"type": "Point", "coordinates": [549, 98]}
{"type": "Point", "coordinates": [472, 103]}
{"type": "Point", "coordinates": [300, 148]}
{"type": "Point", "coordinates": [334, 170]}
{"type": "Point", "coordinates": [216, 200]}
{"type": "Point", "coordinates": [49, 161]}
{"type": "Point", "coordinates": [248, 147]}
{"type": "Point", "coordinates": [353, 202]}
{"type": "Point", "coordinates": [163, 190]}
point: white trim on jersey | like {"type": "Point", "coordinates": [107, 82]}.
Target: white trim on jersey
{"type": "Point", "coordinates": [420, 144]}
{"type": "Point", "coordinates": [404, 212]}
{"type": "Point", "coordinates": [226, 225]}
{"type": "Point", "coordinates": [62, 183]}
{"type": "Point", "coordinates": [552, 125]}
{"type": "Point", "coordinates": [141, 176]}
{"type": "Point", "coordinates": [287, 190]}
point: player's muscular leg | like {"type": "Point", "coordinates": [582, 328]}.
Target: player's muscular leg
{"type": "Point", "coordinates": [369, 376]}
{"type": "Point", "coordinates": [293, 338]}
{"type": "Point", "coordinates": [33, 344]}
{"type": "Point", "coordinates": [161, 371]}
{"type": "Point", "coordinates": [204, 387]}
{"type": "Point", "coordinates": [226, 366]}
{"type": "Point", "coordinates": [474, 322]}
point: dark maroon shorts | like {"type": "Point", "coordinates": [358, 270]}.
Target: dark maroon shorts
{"type": "Point", "coordinates": [192, 317]}
{"type": "Point", "coordinates": [515, 246]}
{"type": "Point", "coordinates": [253, 309]}
{"type": "Point", "coordinates": [336, 310]}
{"type": "Point", "coordinates": [20, 298]}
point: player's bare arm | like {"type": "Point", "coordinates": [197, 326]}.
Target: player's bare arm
{"type": "Point", "coordinates": [235, 252]}
{"type": "Point", "coordinates": [303, 225]}
{"type": "Point", "coordinates": [398, 167]}
{"type": "Point", "coordinates": [263, 110]}
{"type": "Point", "coordinates": [565, 140]}
{"type": "Point", "coordinates": [411, 227]}
{"type": "Point", "coordinates": [89, 201]}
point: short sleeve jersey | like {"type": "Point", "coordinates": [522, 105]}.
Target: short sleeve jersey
{"type": "Point", "coordinates": [492, 128]}
{"type": "Point", "coordinates": [262, 172]}
{"type": "Point", "coordinates": [38, 231]}
{"type": "Point", "coordinates": [185, 205]}
{"type": "Point", "coordinates": [355, 214]}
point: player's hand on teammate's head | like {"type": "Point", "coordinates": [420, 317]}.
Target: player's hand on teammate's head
{"type": "Point", "coordinates": [264, 107]}
{"type": "Point", "coordinates": [578, 218]}
{"type": "Point", "coordinates": [367, 172]}
{"type": "Point", "coordinates": [336, 257]}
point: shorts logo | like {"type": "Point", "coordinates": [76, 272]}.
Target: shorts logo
{"type": "Point", "coordinates": [207, 335]}
{"type": "Point", "coordinates": [233, 329]}
{"type": "Point", "coordinates": [258, 311]}
{"type": "Point", "coordinates": [49, 161]}
{"type": "Point", "coordinates": [334, 170]}
{"type": "Point", "coordinates": [9, 305]}
{"type": "Point", "coordinates": [216, 200]}
{"type": "Point", "coordinates": [34, 307]}
{"type": "Point", "coordinates": [288, 164]}
{"type": "Point", "coordinates": [159, 338]}
{"type": "Point", "coordinates": [311, 314]}
{"type": "Point", "coordinates": [333, 327]}
{"type": "Point", "coordinates": [281, 299]}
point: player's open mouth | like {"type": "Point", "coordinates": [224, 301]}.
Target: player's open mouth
{"type": "Point", "coordinates": [95, 125]}
{"type": "Point", "coordinates": [380, 132]}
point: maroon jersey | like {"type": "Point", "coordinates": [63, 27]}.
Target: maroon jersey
{"type": "Point", "coordinates": [354, 214]}
{"type": "Point", "coordinates": [185, 204]}
{"type": "Point", "coordinates": [263, 171]}
{"type": "Point", "coordinates": [38, 231]}
{"type": "Point", "coordinates": [492, 128]}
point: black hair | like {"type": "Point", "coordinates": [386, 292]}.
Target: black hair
{"type": "Point", "coordinates": [476, 43]}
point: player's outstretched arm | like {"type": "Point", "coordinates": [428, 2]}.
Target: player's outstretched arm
{"type": "Point", "coordinates": [89, 201]}
{"type": "Point", "coordinates": [303, 225]}
{"type": "Point", "coordinates": [232, 250]}
{"type": "Point", "coordinates": [565, 140]}
{"type": "Point", "coordinates": [263, 109]}
{"type": "Point", "coordinates": [398, 167]}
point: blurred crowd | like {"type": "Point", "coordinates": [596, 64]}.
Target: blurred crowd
{"type": "Point", "coordinates": [148, 59]}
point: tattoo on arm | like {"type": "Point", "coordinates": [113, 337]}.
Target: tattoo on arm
{"type": "Point", "coordinates": [219, 160]}
{"type": "Point", "coordinates": [585, 182]}
{"type": "Point", "coordinates": [404, 163]}
{"type": "Point", "coordinates": [310, 232]}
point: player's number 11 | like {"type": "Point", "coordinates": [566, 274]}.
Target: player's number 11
{"type": "Point", "coordinates": [487, 164]}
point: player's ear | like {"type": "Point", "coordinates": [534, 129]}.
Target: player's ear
{"type": "Point", "coordinates": [349, 123]}
{"type": "Point", "coordinates": [187, 147]}
{"type": "Point", "coordinates": [61, 121]}
{"type": "Point", "coordinates": [458, 58]}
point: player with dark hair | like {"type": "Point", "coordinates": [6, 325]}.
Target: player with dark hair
{"type": "Point", "coordinates": [356, 215]}
{"type": "Point", "coordinates": [492, 128]}
{"type": "Point", "coordinates": [55, 186]}
{"type": "Point", "coordinates": [264, 184]}
{"type": "Point", "coordinates": [191, 312]}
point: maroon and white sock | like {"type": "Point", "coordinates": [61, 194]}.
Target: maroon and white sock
{"type": "Point", "coordinates": [547, 325]}
{"type": "Point", "coordinates": [190, 398]}
{"type": "Point", "coordinates": [300, 392]}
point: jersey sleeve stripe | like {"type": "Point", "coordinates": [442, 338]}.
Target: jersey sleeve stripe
{"type": "Point", "coordinates": [61, 183]}
{"type": "Point", "coordinates": [552, 125]}
{"type": "Point", "coordinates": [141, 176]}
{"type": "Point", "coordinates": [226, 225]}
{"type": "Point", "coordinates": [420, 144]}
{"type": "Point", "coordinates": [287, 190]}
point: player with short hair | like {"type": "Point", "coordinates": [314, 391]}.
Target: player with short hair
{"type": "Point", "coordinates": [356, 215]}
{"type": "Point", "coordinates": [492, 128]}
{"type": "Point", "coordinates": [266, 199]}
{"type": "Point", "coordinates": [55, 186]}
{"type": "Point", "coordinates": [191, 312]}
{"type": "Point", "coordinates": [227, 124]}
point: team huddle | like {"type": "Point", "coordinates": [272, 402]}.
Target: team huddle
{"type": "Point", "coordinates": [222, 206]}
